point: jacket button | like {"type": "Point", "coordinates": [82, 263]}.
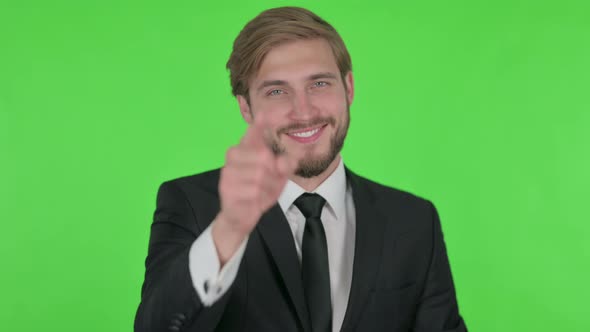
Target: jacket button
{"type": "Point", "coordinates": [206, 286]}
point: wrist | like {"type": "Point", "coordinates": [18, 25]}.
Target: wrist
{"type": "Point", "coordinates": [226, 237]}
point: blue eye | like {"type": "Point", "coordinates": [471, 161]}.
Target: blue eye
{"type": "Point", "coordinates": [320, 84]}
{"type": "Point", "coordinates": [275, 92]}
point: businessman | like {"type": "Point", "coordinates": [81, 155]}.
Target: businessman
{"type": "Point", "coordinates": [284, 237]}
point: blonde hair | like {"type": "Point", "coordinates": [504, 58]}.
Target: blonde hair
{"type": "Point", "coordinates": [272, 28]}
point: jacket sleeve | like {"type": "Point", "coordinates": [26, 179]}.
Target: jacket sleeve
{"type": "Point", "coordinates": [169, 301]}
{"type": "Point", "coordinates": [438, 310]}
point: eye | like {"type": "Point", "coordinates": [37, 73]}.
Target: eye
{"type": "Point", "coordinates": [320, 84]}
{"type": "Point", "coordinates": [275, 92]}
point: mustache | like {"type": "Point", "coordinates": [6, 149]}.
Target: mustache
{"type": "Point", "coordinates": [307, 124]}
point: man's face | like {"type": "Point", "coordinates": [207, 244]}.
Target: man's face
{"type": "Point", "coordinates": [300, 91]}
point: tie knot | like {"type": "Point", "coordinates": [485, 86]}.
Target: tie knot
{"type": "Point", "coordinates": [310, 205]}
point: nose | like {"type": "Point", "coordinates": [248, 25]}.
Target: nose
{"type": "Point", "coordinates": [303, 108]}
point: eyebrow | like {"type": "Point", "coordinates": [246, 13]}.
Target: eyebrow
{"type": "Point", "coordinates": [312, 77]}
{"type": "Point", "coordinates": [265, 84]}
{"type": "Point", "coordinates": [322, 75]}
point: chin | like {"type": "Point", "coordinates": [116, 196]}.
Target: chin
{"type": "Point", "coordinates": [312, 166]}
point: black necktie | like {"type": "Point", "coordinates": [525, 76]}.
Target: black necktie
{"type": "Point", "coordinates": [314, 261]}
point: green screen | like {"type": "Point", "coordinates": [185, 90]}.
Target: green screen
{"type": "Point", "coordinates": [481, 106]}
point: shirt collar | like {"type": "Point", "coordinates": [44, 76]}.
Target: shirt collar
{"type": "Point", "coordinates": [333, 190]}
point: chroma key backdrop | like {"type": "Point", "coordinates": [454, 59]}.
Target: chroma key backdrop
{"type": "Point", "coordinates": [482, 107]}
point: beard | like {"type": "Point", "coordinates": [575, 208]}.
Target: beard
{"type": "Point", "coordinates": [313, 165]}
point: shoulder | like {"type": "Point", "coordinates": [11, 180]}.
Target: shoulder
{"type": "Point", "coordinates": [380, 192]}
{"type": "Point", "coordinates": [406, 209]}
{"type": "Point", "coordinates": [193, 195]}
{"type": "Point", "coordinates": [201, 183]}
{"type": "Point", "coordinates": [192, 191]}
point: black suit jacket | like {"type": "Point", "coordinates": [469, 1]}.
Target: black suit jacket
{"type": "Point", "coordinates": [401, 275]}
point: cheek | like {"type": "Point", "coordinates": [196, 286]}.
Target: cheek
{"type": "Point", "coordinates": [276, 109]}
{"type": "Point", "coordinates": [331, 100]}
{"type": "Point", "coordinates": [335, 108]}
{"type": "Point", "coordinates": [275, 112]}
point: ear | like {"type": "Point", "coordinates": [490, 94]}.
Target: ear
{"type": "Point", "coordinates": [349, 82]}
{"type": "Point", "coordinates": [245, 109]}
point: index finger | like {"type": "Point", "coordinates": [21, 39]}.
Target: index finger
{"type": "Point", "coordinates": [257, 131]}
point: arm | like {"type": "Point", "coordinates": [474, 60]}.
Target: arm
{"type": "Point", "coordinates": [183, 280]}
{"type": "Point", "coordinates": [438, 310]}
{"type": "Point", "coordinates": [170, 299]}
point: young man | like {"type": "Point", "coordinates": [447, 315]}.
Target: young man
{"type": "Point", "coordinates": [284, 237]}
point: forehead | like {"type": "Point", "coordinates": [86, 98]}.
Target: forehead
{"type": "Point", "coordinates": [296, 60]}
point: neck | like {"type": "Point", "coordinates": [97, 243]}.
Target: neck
{"type": "Point", "coordinates": [310, 184]}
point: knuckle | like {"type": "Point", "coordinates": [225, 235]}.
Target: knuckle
{"type": "Point", "coordinates": [259, 175]}
{"type": "Point", "coordinates": [264, 158]}
{"type": "Point", "coordinates": [260, 151]}
{"type": "Point", "coordinates": [223, 190]}
{"type": "Point", "coordinates": [256, 192]}
{"type": "Point", "coordinates": [225, 182]}
{"type": "Point", "coordinates": [231, 154]}
{"type": "Point", "coordinates": [267, 154]}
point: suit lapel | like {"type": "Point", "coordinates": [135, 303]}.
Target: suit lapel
{"type": "Point", "coordinates": [277, 235]}
{"type": "Point", "coordinates": [368, 248]}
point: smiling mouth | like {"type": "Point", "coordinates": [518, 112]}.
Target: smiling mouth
{"type": "Point", "coordinates": [307, 135]}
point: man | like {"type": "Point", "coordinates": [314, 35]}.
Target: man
{"type": "Point", "coordinates": [284, 237]}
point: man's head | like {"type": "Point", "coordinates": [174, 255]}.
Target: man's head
{"type": "Point", "coordinates": [293, 66]}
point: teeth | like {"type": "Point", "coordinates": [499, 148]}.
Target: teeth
{"type": "Point", "coordinates": [306, 133]}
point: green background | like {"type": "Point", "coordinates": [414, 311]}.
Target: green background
{"type": "Point", "coordinates": [481, 106]}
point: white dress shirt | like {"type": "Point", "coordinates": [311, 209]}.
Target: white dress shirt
{"type": "Point", "coordinates": [338, 219]}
